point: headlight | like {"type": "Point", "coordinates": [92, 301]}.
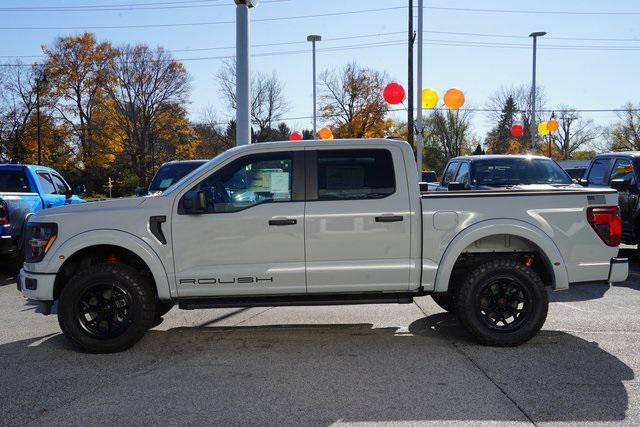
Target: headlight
{"type": "Point", "coordinates": [39, 238]}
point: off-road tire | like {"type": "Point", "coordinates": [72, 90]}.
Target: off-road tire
{"type": "Point", "coordinates": [468, 297]}
{"type": "Point", "coordinates": [141, 311]}
{"type": "Point", "coordinates": [445, 301]}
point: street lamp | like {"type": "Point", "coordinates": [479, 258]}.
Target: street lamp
{"type": "Point", "coordinates": [243, 72]}
{"type": "Point", "coordinates": [313, 39]}
{"type": "Point", "coordinates": [533, 88]}
{"type": "Point", "coordinates": [40, 80]}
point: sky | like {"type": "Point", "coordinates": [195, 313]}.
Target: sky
{"type": "Point", "coordinates": [468, 44]}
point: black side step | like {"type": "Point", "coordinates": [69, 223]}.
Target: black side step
{"type": "Point", "coordinates": [295, 300]}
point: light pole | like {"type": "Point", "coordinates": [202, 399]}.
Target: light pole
{"type": "Point", "coordinates": [419, 124]}
{"type": "Point", "coordinates": [41, 79]}
{"type": "Point", "coordinates": [313, 39]}
{"type": "Point", "coordinates": [243, 72]}
{"type": "Point", "coordinates": [532, 125]}
{"type": "Point", "coordinates": [410, 123]}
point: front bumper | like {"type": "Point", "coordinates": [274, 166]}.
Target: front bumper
{"type": "Point", "coordinates": [618, 269]}
{"type": "Point", "coordinates": [37, 286]}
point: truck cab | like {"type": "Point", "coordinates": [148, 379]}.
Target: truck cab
{"type": "Point", "coordinates": [24, 190]}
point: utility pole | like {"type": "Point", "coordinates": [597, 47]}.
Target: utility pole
{"type": "Point", "coordinates": [243, 72]}
{"type": "Point", "coordinates": [420, 124]}
{"type": "Point", "coordinates": [410, 124]}
{"type": "Point", "coordinates": [42, 78]}
{"type": "Point", "coordinates": [313, 39]}
{"type": "Point", "coordinates": [532, 125]}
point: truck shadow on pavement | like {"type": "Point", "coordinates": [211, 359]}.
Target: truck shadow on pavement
{"type": "Point", "coordinates": [313, 374]}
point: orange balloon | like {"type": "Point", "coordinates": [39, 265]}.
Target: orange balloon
{"type": "Point", "coordinates": [552, 125]}
{"type": "Point", "coordinates": [454, 98]}
{"type": "Point", "coordinates": [325, 133]}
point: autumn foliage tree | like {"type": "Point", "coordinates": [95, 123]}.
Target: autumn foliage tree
{"type": "Point", "coordinates": [352, 102]}
{"type": "Point", "coordinates": [148, 92]}
{"type": "Point", "coordinates": [78, 77]}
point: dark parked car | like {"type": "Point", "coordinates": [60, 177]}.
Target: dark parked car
{"type": "Point", "coordinates": [575, 168]}
{"type": "Point", "coordinates": [168, 174]}
{"type": "Point", "coordinates": [619, 171]}
{"type": "Point", "coordinates": [491, 172]}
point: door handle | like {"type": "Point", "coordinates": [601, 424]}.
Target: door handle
{"type": "Point", "coordinates": [282, 222]}
{"type": "Point", "coordinates": [389, 218]}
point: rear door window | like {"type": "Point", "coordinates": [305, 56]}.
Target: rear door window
{"type": "Point", "coordinates": [355, 174]}
{"type": "Point", "coordinates": [14, 181]}
{"type": "Point", "coordinates": [598, 172]}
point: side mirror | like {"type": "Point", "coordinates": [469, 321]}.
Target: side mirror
{"type": "Point", "coordinates": [194, 202]}
{"type": "Point", "coordinates": [583, 182]}
{"type": "Point", "coordinates": [79, 189]}
{"type": "Point", "coordinates": [141, 191]}
{"type": "Point", "coordinates": [620, 184]}
{"type": "Point", "coordinates": [456, 186]}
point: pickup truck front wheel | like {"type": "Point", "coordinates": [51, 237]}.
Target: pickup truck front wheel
{"type": "Point", "coordinates": [502, 303]}
{"type": "Point", "coordinates": [106, 308]}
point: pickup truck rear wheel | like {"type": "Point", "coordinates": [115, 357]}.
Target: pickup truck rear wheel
{"type": "Point", "coordinates": [106, 308]}
{"type": "Point", "coordinates": [502, 303]}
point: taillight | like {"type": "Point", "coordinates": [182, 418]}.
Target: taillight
{"type": "Point", "coordinates": [4, 213]}
{"type": "Point", "coordinates": [607, 223]}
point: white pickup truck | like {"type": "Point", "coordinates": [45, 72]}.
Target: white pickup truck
{"type": "Point", "coordinates": [317, 223]}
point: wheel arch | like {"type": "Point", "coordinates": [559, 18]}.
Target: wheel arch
{"type": "Point", "coordinates": [124, 244]}
{"type": "Point", "coordinates": [520, 229]}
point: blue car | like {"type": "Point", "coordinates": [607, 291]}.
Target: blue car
{"type": "Point", "coordinates": [25, 189]}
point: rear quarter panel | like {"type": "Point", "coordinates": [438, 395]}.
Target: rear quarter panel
{"type": "Point", "coordinates": [553, 220]}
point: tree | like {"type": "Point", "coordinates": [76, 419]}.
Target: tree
{"type": "Point", "coordinates": [499, 137]}
{"type": "Point", "coordinates": [149, 92]}
{"type": "Point", "coordinates": [77, 70]}
{"type": "Point", "coordinates": [267, 99]}
{"type": "Point", "coordinates": [450, 129]}
{"type": "Point", "coordinates": [522, 98]}
{"type": "Point", "coordinates": [573, 134]}
{"type": "Point", "coordinates": [353, 104]}
{"type": "Point", "coordinates": [17, 103]}
{"type": "Point", "coordinates": [625, 135]}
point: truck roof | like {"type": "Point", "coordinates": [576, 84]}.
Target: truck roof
{"type": "Point", "coordinates": [498, 156]}
{"type": "Point", "coordinates": [32, 168]}
{"type": "Point", "coordinates": [324, 143]}
{"type": "Point", "coordinates": [620, 153]}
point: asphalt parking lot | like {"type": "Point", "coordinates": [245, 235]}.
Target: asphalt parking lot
{"type": "Point", "coordinates": [395, 364]}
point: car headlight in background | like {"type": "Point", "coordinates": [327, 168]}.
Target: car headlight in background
{"type": "Point", "coordinates": [39, 238]}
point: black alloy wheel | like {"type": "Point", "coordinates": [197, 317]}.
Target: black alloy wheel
{"type": "Point", "coordinates": [504, 303]}
{"type": "Point", "coordinates": [104, 310]}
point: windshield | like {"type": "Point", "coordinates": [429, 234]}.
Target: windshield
{"type": "Point", "coordinates": [171, 173]}
{"type": "Point", "coordinates": [14, 181]}
{"type": "Point", "coordinates": [505, 172]}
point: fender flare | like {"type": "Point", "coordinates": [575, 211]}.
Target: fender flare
{"type": "Point", "coordinates": [488, 228]}
{"type": "Point", "coordinates": [115, 238]}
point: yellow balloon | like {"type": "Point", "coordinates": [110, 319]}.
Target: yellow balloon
{"type": "Point", "coordinates": [325, 133]}
{"type": "Point", "coordinates": [543, 129]}
{"type": "Point", "coordinates": [429, 98]}
{"type": "Point", "coordinates": [552, 125]}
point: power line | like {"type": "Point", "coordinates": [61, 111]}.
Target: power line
{"type": "Point", "coordinates": [124, 7]}
{"type": "Point", "coordinates": [434, 42]}
{"type": "Point", "coordinates": [534, 12]}
{"type": "Point", "coordinates": [193, 24]}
